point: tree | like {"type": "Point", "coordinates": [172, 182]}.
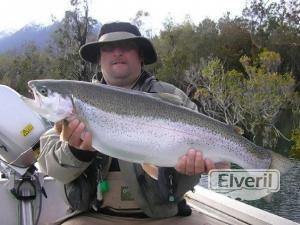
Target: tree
{"type": "Point", "coordinates": [138, 20]}
{"type": "Point", "coordinates": [208, 39]}
{"type": "Point", "coordinates": [276, 26]}
{"type": "Point", "coordinates": [251, 102]}
{"type": "Point", "coordinates": [181, 46]}
{"type": "Point", "coordinates": [76, 28]}
{"type": "Point", "coordinates": [234, 41]}
{"type": "Point", "coordinates": [177, 48]}
{"type": "Point", "coordinates": [17, 69]}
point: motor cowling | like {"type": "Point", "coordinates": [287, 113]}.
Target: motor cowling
{"type": "Point", "coordinates": [20, 129]}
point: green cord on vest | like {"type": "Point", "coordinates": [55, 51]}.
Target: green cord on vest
{"type": "Point", "coordinates": [103, 186]}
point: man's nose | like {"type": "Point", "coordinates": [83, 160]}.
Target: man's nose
{"type": "Point", "coordinates": [118, 51]}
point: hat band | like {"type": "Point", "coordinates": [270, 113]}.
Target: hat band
{"type": "Point", "coordinates": [116, 36]}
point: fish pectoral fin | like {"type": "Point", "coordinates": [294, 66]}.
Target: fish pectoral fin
{"type": "Point", "coordinates": [151, 170]}
{"type": "Point", "coordinates": [167, 97]}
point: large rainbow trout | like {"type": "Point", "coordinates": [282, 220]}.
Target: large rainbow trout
{"type": "Point", "coordinates": [145, 128]}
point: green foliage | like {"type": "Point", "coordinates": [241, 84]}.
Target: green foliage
{"type": "Point", "coordinates": [252, 102]}
{"type": "Point", "coordinates": [265, 94]}
{"type": "Point", "coordinates": [276, 25]}
{"type": "Point", "coordinates": [176, 50]}
{"type": "Point", "coordinates": [234, 41]}
{"type": "Point", "coordinates": [295, 150]}
{"type": "Point", "coordinates": [181, 46]}
{"type": "Point", "coordinates": [223, 88]}
{"type": "Point", "coordinates": [73, 32]}
{"type": "Point", "coordinates": [17, 70]}
{"type": "Point", "coordinates": [270, 61]}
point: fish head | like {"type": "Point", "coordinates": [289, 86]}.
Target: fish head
{"type": "Point", "coordinates": [49, 101]}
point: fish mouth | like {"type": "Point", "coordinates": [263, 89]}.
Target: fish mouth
{"type": "Point", "coordinates": [31, 84]}
{"type": "Point", "coordinates": [31, 90]}
{"type": "Point", "coordinates": [30, 93]}
{"type": "Point", "coordinates": [35, 98]}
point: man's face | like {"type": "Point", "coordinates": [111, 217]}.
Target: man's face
{"type": "Point", "coordinates": [120, 62]}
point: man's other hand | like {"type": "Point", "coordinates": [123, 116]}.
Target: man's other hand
{"type": "Point", "coordinates": [193, 163]}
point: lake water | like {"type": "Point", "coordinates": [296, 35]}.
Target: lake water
{"type": "Point", "coordinates": [286, 202]}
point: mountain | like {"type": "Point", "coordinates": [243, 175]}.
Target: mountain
{"type": "Point", "coordinates": [38, 34]}
{"type": "Point", "coordinates": [4, 34]}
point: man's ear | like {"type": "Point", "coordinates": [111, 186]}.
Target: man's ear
{"type": "Point", "coordinates": [141, 55]}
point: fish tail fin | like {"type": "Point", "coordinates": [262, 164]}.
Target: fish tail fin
{"type": "Point", "coordinates": [280, 163]}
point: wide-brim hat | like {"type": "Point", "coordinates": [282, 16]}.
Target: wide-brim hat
{"type": "Point", "coordinates": [118, 31]}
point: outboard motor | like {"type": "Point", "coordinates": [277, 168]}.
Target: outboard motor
{"type": "Point", "coordinates": [20, 129]}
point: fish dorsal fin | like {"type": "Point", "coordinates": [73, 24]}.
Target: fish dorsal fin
{"type": "Point", "coordinates": [171, 98]}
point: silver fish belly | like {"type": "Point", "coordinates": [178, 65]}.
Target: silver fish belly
{"type": "Point", "coordinates": [158, 141]}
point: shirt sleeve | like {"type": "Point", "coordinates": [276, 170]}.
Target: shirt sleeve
{"type": "Point", "coordinates": [57, 160]}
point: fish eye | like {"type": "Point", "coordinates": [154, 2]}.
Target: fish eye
{"type": "Point", "coordinates": [43, 91]}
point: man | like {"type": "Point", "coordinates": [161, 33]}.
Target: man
{"type": "Point", "coordinates": [136, 193]}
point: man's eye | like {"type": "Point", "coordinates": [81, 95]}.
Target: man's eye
{"type": "Point", "coordinates": [108, 47]}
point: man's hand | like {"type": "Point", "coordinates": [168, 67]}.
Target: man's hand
{"type": "Point", "coordinates": [192, 163]}
{"type": "Point", "coordinates": [73, 131]}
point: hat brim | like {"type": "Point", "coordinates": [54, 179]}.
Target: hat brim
{"type": "Point", "coordinates": [90, 52]}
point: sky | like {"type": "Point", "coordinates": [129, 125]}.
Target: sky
{"type": "Point", "coordinates": [14, 14]}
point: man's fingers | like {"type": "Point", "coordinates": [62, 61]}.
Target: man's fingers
{"type": "Point", "coordinates": [71, 118]}
{"type": "Point", "coordinates": [75, 138]}
{"type": "Point", "coordinates": [190, 164]}
{"type": "Point", "coordinates": [68, 129]}
{"type": "Point", "coordinates": [199, 163]}
{"type": "Point", "coordinates": [86, 143]}
{"type": "Point", "coordinates": [180, 166]}
{"type": "Point", "coordinates": [209, 165]}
